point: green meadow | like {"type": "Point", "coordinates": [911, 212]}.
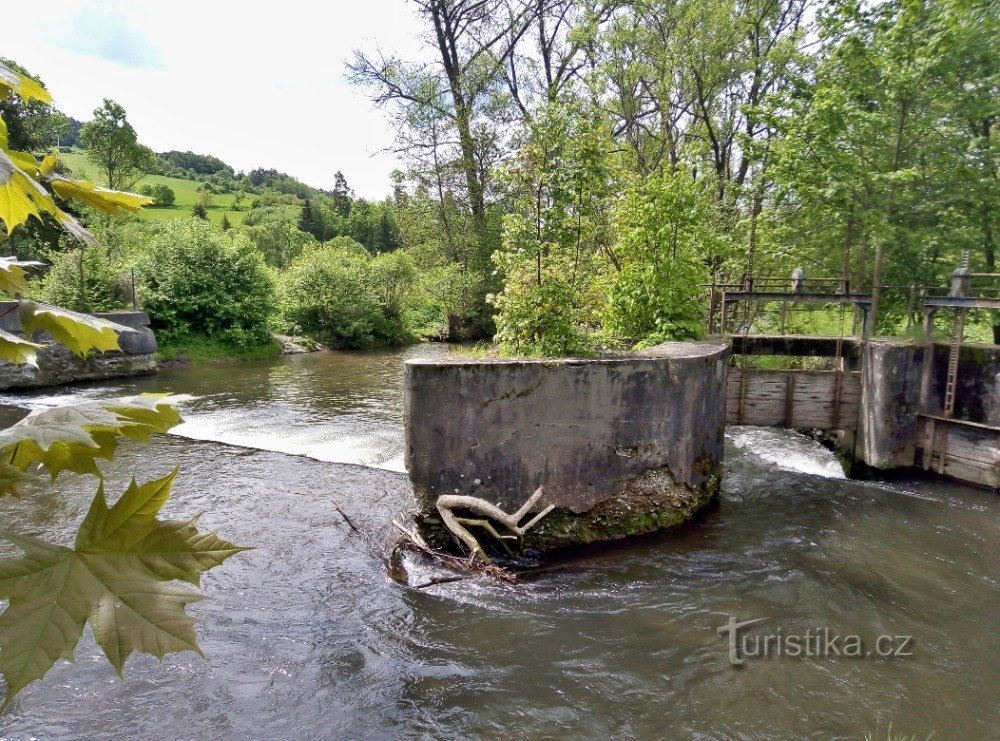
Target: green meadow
{"type": "Point", "coordinates": [186, 191]}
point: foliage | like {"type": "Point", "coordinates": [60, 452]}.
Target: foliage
{"type": "Point", "coordinates": [163, 195]}
{"type": "Point", "coordinates": [197, 280]}
{"type": "Point", "coordinates": [656, 293]}
{"type": "Point", "coordinates": [113, 146]}
{"type": "Point", "coordinates": [345, 297]}
{"type": "Point", "coordinates": [117, 575]}
{"type": "Point", "coordinates": [101, 288]}
{"type": "Point", "coordinates": [561, 185]}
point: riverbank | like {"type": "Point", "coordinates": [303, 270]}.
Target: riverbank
{"type": "Point", "coordinates": [205, 350]}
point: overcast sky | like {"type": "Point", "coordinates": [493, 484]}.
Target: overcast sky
{"type": "Point", "coordinates": [259, 85]}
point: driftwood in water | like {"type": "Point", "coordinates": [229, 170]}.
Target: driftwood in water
{"type": "Point", "coordinates": [447, 503]}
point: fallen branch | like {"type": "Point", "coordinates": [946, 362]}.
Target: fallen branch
{"type": "Point", "coordinates": [412, 540]}
{"type": "Point", "coordinates": [446, 503]}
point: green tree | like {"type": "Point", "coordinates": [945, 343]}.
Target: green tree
{"type": "Point", "coordinates": [560, 184]}
{"type": "Point", "coordinates": [163, 195]}
{"type": "Point", "coordinates": [113, 146]}
{"type": "Point", "coordinates": [655, 293]}
{"type": "Point", "coordinates": [196, 280]}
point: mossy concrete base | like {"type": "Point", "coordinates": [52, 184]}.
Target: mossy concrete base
{"type": "Point", "coordinates": [651, 503]}
{"type": "Point", "coordinates": [622, 445]}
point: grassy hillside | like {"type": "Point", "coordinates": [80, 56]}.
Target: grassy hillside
{"type": "Point", "coordinates": [185, 190]}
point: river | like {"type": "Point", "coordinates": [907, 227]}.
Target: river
{"type": "Point", "coordinates": [305, 636]}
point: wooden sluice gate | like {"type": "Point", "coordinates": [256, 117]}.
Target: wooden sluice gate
{"type": "Point", "coordinates": [820, 400]}
{"type": "Point", "coordinates": [893, 402]}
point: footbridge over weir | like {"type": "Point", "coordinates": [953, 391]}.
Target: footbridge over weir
{"type": "Point", "coordinates": [890, 403]}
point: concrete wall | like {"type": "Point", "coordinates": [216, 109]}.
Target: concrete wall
{"type": "Point", "coordinates": [890, 400]}
{"type": "Point", "coordinates": [977, 396]}
{"type": "Point", "coordinates": [892, 434]}
{"type": "Point", "coordinates": [56, 365]}
{"type": "Point", "coordinates": [621, 444]}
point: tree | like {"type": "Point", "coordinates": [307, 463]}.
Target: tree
{"type": "Point", "coordinates": [342, 195]}
{"type": "Point", "coordinates": [163, 195]}
{"type": "Point", "coordinates": [117, 574]}
{"type": "Point", "coordinates": [113, 145]}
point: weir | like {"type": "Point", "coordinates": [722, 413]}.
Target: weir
{"type": "Point", "coordinates": [628, 444]}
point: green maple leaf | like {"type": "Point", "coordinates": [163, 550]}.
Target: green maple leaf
{"type": "Point", "coordinates": [79, 333]}
{"type": "Point", "coordinates": [116, 577]}
{"type": "Point", "coordinates": [73, 437]}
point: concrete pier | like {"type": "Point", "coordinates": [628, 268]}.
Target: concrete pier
{"type": "Point", "coordinates": [622, 444]}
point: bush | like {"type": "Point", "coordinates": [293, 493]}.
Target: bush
{"type": "Point", "coordinates": [345, 298]}
{"type": "Point", "coordinates": [163, 194]}
{"type": "Point", "coordinates": [197, 280]}
{"type": "Point", "coordinates": [103, 286]}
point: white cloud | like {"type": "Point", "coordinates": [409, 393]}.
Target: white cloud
{"type": "Point", "coordinates": [259, 85]}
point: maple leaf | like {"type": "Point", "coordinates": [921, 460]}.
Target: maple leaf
{"type": "Point", "coordinates": [79, 333]}
{"type": "Point", "coordinates": [18, 350]}
{"type": "Point", "coordinates": [75, 436]}
{"type": "Point", "coordinates": [111, 201]}
{"type": "Point", "coordinates": [12, 276]}
{"type": "Point", "coordinates": [116, 577]}
{"type": "Point", "coordinates": [25, 87]}
{"type": "Point", "coordinates": [20, 196]}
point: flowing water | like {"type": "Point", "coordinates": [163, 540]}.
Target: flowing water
{"type": "Point", "coordinates": [307, 638]}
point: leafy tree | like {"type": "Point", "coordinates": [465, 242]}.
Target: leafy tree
{"type": "Point", "coordinates": [656, 294]}
{"type": "Point", "coordinates": [85, 279]}
{"type": "Point", "coordinates": [197, 280]}
{"type": "Point", "coordinates": [560, 184]}
{"type": "Point", "coordinates": [113, 146]}
{"type": "Point", "coordinates": [163, 195]}
{"type": "Point", "coordinates": [338, 293]}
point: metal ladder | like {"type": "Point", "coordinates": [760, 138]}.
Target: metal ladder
{"type": "Point", "coordinates": [939, 433]}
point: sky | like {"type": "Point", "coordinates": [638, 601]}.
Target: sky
{"type": "Point", "coordinates": [258, 85]}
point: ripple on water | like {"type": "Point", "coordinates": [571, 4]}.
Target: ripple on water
{"type": "Point", "coordinates": [306, 637]}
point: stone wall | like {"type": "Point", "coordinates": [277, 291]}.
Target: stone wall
{"type": "Point", "coordinates": [57, 365]}
{"type": "Point", "coordinates": [622, 445]}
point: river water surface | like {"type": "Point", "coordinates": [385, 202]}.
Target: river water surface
{"type": "Point", "coordinates": [306, 637]}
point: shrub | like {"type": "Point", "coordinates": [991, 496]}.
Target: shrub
{"type": "Point", "coordinates": [197, 280]}
{"type": "Point", "coordinates": [103, 287]}
{"type": "Point", "coordinates": [163, 195]}
{"type": "Point", "coordinates": [345, 298]}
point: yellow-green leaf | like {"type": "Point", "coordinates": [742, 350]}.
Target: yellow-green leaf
{"type": "Point", "coordinates": [11, 477]}
{"type": "Point", "coordinates": [24, 160]}
{"type": "Point", "coordinates": [25, 87]}
{"type": "Point", "coordinates": [116, 576]}
{"type": "Point", "coordinates": [18, 350]}
{"type": "Point", "coordinates": [111, 201]}
{"type": "Point", "coordinates": [12, 276]}
{"type": "Point", "coordinates": [79, 333]}
{"type": "Point", "coordinates": [74, 227]}
{"type": "Point", "coordinates": [48, 164]}
{"type": "Point", "coordinates": [20, 196]}
{"type": "Point", "coordinates": [74, 436]}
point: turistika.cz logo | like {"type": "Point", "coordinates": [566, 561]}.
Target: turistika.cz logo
{"type": "Point", "coordinates": [814, 643]}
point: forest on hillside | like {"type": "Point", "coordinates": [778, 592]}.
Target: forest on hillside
{"type": "Point", "coordinates": [575, 173]}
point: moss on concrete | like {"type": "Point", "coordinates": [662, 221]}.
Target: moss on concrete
{"type": "Point", "coordinates": [652, 502]}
